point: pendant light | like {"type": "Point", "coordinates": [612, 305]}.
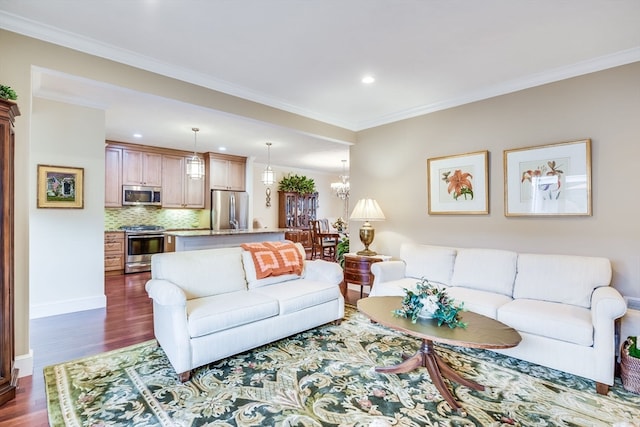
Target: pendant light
{"type": "Point", "coordinates": [268, 175]}
{"type": "Point", "coordinates": [195, 165]}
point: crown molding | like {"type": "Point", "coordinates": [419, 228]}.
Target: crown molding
{"type": "Point", "coordinates": [94, 47]}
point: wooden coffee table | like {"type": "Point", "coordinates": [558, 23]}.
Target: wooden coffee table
{"type": "Point", "coordinates": [481, 332]}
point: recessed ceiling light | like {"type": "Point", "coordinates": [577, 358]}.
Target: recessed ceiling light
{"type": "Point", "coordinates": [137, 135]}
{"type": "Point", "coordinates": [368, 79]}
{"type": "Point", "coordinates": [222, 148]}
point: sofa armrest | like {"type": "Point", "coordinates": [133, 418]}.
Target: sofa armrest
{"type": "Point", "coordinates": [164, 292]}
{"type": "Point", "coordinates": [387, 271]}
{"type": "Point", "coordinates": [323, 271]}
{"type": "Point", "coordinates": [606, 305]}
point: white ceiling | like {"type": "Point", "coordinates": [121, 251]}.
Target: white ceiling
{"type": "Point", "coordinates": [308, 56]}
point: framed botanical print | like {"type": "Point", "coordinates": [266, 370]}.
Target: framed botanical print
{"type": "Point", "coordinates": [458, 184]}
{"type": "Point", "coordinates": [548, 180]}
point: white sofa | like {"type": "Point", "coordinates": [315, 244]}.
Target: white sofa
{"type": "Point", "coordinates": [209, 304]}
{"type": "Point", "coordinates": [562, 306]}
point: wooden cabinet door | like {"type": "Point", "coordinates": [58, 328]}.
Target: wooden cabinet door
{"type": "Point", "coordinates": [178, 190]}
{"type": "Point", "coordinates": [226, 172]}
{"type": "Point", "coordinates": [173, 179]}
{"type": "Point", "coordinates": [236, 175]}
{"type": "Point", "coordinates": [113, 177]}
{"type": "Point", "coordinates": [194, 193]}
{"type": "Point", "coordinates": [8, 374]}
{"type": "Point", "coordinates": [219, 171]}
{"type": "Point", "coordinates": [152, 169]}
{"type": "Point", "coordinates": [140, 168]}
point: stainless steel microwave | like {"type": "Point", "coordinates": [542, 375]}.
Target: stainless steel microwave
{"type": "Point", "coordinates": [139, 195]}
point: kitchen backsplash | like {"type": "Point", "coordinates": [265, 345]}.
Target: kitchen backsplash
{"type": "Point", "coordinates": [168, 218]}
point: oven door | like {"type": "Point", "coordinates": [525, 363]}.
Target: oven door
{"type": "Point", "coordinates": [139, 249]}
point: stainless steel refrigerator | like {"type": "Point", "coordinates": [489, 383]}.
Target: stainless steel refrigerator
{"type": "Point", "coordinates": [229, 210]}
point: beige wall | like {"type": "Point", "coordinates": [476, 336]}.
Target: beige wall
{"type": "Point", "coordinates": [389, 164]}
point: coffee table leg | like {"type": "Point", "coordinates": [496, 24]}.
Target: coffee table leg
{"type": "Point", "coordinates": [437, 369]}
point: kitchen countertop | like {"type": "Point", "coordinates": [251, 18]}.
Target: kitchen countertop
{"type": "Point", "coordinates": [198, 233]}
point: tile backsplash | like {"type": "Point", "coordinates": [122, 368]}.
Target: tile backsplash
{"type": "Point", "coordinates": [168, 218]}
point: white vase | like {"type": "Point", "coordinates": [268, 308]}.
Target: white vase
{"type": "Point", "coordinates": [425, 312]}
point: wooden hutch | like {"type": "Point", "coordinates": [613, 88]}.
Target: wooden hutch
{"type": "Point", "coordinates": [8, 375]}
{"type": "Point", "coordinates": [295, 213]}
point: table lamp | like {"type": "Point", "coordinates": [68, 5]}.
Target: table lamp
{"type": "Point", "coordinates": [367, 210]}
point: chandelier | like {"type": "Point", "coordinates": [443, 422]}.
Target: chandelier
{"type": "Point", "coordinates": [342, 188]}
{"type": "Point", "coordinates": [195, 165]}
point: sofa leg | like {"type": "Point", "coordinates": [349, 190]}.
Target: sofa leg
{"type": "Point", "coordinates": [602, 389]}
{"type": "Point", "coordinates": [184, 376]}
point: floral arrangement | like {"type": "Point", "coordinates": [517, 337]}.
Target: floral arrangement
{"type": "Point", "coordinates": [430, 301]}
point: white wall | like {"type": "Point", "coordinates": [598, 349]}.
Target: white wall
{"type": "Point", "coordinates": [389, 164]}
{"type": "Point", "coordinates": [66, 268]}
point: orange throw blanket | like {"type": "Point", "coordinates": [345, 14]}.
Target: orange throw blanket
{"type": "Point", "coordinates": [275, 258]}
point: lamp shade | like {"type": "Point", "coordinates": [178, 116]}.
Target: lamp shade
{"type": "Point", "coordinates": [367, 210]}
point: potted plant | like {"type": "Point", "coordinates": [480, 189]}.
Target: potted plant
{"type": "Point", "coordinates": [297, 184]}
{"type": "Point", "coordinates": [341, 249]}
{"type": "Point", "coordinates": [7, 93]}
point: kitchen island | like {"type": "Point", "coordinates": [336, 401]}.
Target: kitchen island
{"type": "Point", "coordinates": [189, 240]}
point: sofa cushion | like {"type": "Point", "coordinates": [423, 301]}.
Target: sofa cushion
{"type": "Point", "coordinates": [567, 279]}
{"type": "Point", "coordinates": [299, 294]}
{"type": "Point", "coordinates": [274, 258]}
{"type": "Point", "coordinates": [549, 319]}
{"type": "Point", "coordinates": [201, 273]}
{"type": "Point", "coordinates": [208, 315]}
{"type": "Point", "coordinates": [434, 263]}
{"type": "Point", "coordinates": [482, 302]}
{"type": "Point", "coordinates": [491, 270]}
{"type": "Point", "coordinates": [252, 276]}
{"type": "Point", "coordinates": [393, 287]}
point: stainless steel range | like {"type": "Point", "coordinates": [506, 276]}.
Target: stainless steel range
{"type": "Point", "coordinates": [141, 241]}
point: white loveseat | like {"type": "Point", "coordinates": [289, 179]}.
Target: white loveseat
{"type": "Point", "coordinates": [209, 304]}
{"type": "Point", "coordinates": [562, 306]}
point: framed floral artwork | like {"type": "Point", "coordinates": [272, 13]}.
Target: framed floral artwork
{"type": "Point", "coordinates": [458, 184]}
{"type": "Point", "coordinates": [548, 180]}
{"type": "Point", "coordinates": [60, 187]}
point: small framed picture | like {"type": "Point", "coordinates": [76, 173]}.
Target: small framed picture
{"type": "Point", "coordinates": [458, 184]}
{"type": "Point", "coordinates": [548, 180]}
{"type": "Point", "coordinates": [60, 187]}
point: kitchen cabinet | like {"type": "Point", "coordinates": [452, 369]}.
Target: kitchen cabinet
{"type": "Point", "coordinates": [8, 374]}
{"type": "Point", "coordinates": [113, 177]}
{"type": "Point", "coordinates": [226, 172]}
{"type": "Point", "coordinates": [141, 168]}
{"type": "Point", "coordinates": [114, 251]}
{"type": "Point", "coordinates": [178, 190]}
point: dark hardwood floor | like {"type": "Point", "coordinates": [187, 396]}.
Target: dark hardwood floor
{"type": "Point", "coordinates": [126, 320]}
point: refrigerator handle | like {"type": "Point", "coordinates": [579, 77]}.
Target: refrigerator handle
{"type": "Point", "coordinates": [233, 222]}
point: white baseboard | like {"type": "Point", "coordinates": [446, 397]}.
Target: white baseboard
{"type": "Point", "coordinates": [24, 364]}
{"type": "Point", "coordinates": [69, 306]}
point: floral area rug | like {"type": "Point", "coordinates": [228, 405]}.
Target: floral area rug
{"type": "Point", "coordinates": [324, 377]}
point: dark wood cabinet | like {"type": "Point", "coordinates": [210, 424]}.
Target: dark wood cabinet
{"type": "Point", "coordinates": [295, 212]}
{"type": "Point", "coordinates": [8, 376]}
{"type": "Point", "coordinates": [357, 270]}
